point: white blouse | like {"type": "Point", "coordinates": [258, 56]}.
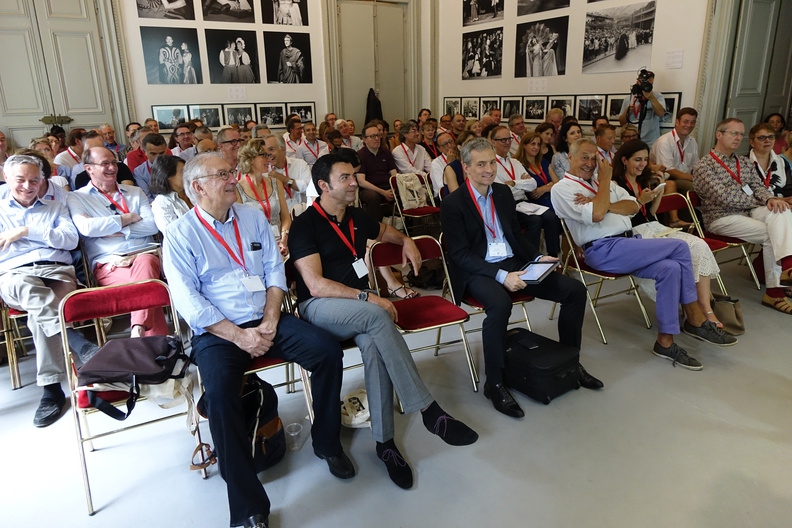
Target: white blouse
{"type": "Point", "coordinates": [167, 208]}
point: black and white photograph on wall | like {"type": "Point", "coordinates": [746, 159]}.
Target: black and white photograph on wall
{"type": "Point", "coordinates": [619, 38]}
{"type": "Point", "coordinates": [285, 12]}
{"type": "Point", "coordinates": [288, 57]}
{"type": "Point", "coordinates": [306, 111]}
{"type": "Point", "coordinates": [589, 107]}
{"type": "Point", "coordinates": [530, 7]}
{"type": "Point", "coordinates": [169, 116]}
{"type": "Point", "coordinates": [564, 102]}
{"type": "Point", "coordinates": [489, 103]}
{"type": "Point", "coordinates": [228, 10]}
{"type": "Point", "coordinates": [451, 106]}
{"type": "Point", "coordinates": [166, 9]}
{"type": "Point", "coordinates": [482, 54]}
{"type": "Point", "coordinates": [271, 114]}
{"type": "Point", "coordinates": [534, 108]}
{"type": "Point", "coordinates": [613, 107]}
{"type": "Point", "coordinates": [470, 107]}
{"type": "Point", "coordinates": [233, 56]}
{"type": "Point", "coordinates": [480, 11]}
{"type": "Point", "coordinates": [672, 107]}
{"type": "Point", "coordinates": [171, 55]}
{"type": "Point", "coordinates": [239, 114]}
{"type": "Point", "coordinates": [509, 107]}
{"type": "Point", "coordinates": [541, 48]}
{"type": "Point", "coordinates": [210, 115]}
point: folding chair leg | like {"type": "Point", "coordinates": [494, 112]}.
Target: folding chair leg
{"type": "Point", "coordinates": [399, 405]}
{"type": "Point", "coordinates": [721, 285]}
{"type": "Point", "coordinates": [78, 419]}
{"type": "Point", "coordinates": [437, 342]}
{"type": "Point", "coordinates": [13, 364]}
{"type": "Point", "coordinates": [525, 313]}
{"type": "Point", "coordinates": [474, 377]}
{"type": "Point", "coordinates": [748, 263]}
{"type": "Point", "coordinates": [640, 302]}
{"type": "Point", "coordinates": [307, 392]}
{"type": "Point", "coordinates": [290, 379]}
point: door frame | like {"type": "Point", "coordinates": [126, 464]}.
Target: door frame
{"type": "Point", "coordinates": [122, 103]}
{"type": "Point", "coordinates": [333, 57]}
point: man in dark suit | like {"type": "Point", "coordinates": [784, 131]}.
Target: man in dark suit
{"type": "Point", "coordinates": [486, 251]}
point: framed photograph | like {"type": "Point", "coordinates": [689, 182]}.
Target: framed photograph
{"type": "Point", "coordinates": [167, 10]}
{"type": "Point", "coordinates": [452, 106]}
{"type": "Point", "coordinates": [285, 12]}
{"type": "Point", "coordinates": [672, 100]}
{"type": "Point", "coordinates": [288, 57]}
{"type": "Point", "coordinates": [271, 114]}
{"type": "Point", "coordinates": [470, 107]}
{"type": "Point", "coordinates": [534, 108]}
{"type": "Point", "coordinates": [169, 116]}
{"type": "Point", "coordinates": [588, 107]}
{"type": "Point", "coordinates": [613, 107]}
{"type": "Point", "coordinates": [489, 103]}
{"type": "Point", "coordinates": [306, 111]}
{"type": "Point", "coordinates": [229, 10]}
{"type": "Point", "coordinates": [541, 48]}
{"type": "Point", "coordinates": [509, 107]}
{"type": "Point", "coordinates": [628, 31]}
{"type": "Point", "coordinates": [233, 56]}
{"type": "Point", "coordinates": [531, 7]}
{"type": "Point", "coordinates": [210, 114]}
{"type": "Point", "coordinates": [171, 55]}
{"type": "Point", "coordinates": [564, 102]}
{"type": "Point", "coordinates": [482, 54]}
{"type": "Point", "coordinates": [478, 12]}
{"type": "Point", "coordinates": [239, 114]}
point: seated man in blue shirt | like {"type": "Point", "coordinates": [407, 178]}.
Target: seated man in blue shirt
{"type": "Point", "coordinates": [153, 145]}
{"type": "Point", "coordinates": [36, 273]}
{"type": "Point", "coordinates": [327, 243]}
{"type": "Point", "coordinates": [228, 282]}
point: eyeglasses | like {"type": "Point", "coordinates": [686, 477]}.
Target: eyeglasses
{"type": "Point", "coordinates": [233, 142]}
{"type": "Point", "coordinates": [372, 136]}
{"type": "Point", "coordinates": [446, 143]}
{"type": "Point", "coordinates": [764, 138]}
{"type": "Point", "coordinates": [104, 164]}
{"type": "Point", "coordinates": [503, 140]}
{"type": "Point", "coordinates": [734, 133]}
{"type": "Point", "coordinates": [223, 175]}
{"type": "Point", "coordinates": [184, 134]}
{"type": "Point", "coordinates": [629, 137]}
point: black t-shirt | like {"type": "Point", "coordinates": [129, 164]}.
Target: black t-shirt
{"type": "Point", "coordinates": [311, 233]}
{"type": "Point", "coordinates": [123, 174]}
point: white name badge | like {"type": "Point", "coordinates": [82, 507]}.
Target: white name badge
{"type": "Point", "coordinates": [747, 190]}
{"type": "Point", "coordinates": [360, 268]}
{"type": "Point", "coordinates": [253, 283]}
{"type": "Point", "coordinates": [497, 249]}
{"type": "Point", "coordinates": [276, 232]}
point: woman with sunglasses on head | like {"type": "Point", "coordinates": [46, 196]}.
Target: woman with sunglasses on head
{"type": "Point", "coordinates": [631, 172]}
{"type": "Point", "coordinates": [570, 131]}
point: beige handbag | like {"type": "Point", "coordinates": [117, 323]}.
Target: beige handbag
{"type": "Point", "coordinates": [729, 312]}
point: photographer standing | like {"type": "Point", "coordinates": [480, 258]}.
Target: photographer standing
{"type": "Point", "coordinates": [644, 108]}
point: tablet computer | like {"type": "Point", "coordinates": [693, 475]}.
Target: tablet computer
{"type": "Point", "coordinates": [535, 272]}
{"type": "Point", "coordinates": [134, 250]}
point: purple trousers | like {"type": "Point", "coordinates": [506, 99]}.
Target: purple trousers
{"type": "Point", "coordinates": [665, 260]}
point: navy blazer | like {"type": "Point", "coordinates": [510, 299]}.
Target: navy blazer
{"type": "Point", "coordinates": [465, 237]}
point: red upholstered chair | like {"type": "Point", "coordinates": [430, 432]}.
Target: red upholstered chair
{"type": "Point", "coordinates": [576, 263]}
{"type": "Point", "coordinates": [427, 215]}
{"type": "Point", "coordinates": [694, 204]}
{"type": "Point", "coordinates": [110, 301]}
{"type": "Point", "coordinates": [427, 312]}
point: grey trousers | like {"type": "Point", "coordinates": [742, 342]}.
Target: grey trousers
{"type": "Point", "coordinates": [38, 290]}
{"type": "Point", "coordinates": [387, 362]}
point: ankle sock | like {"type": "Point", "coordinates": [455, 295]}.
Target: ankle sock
{"type": "Point", "coordinates": [53, 391]}
{"type": "Point", "coordinates": [786, 263]}
{"type": "Point", "coordinates": [775, 293]}
{"type": "Point", "coordinates": [431, 414]}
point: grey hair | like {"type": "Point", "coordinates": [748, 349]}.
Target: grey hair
{"type": "Point", "coordinates": [479, 144]}
{"type": "Point", "coordinates": [405, 128]}
{"type": "Point", "coordinates": [257, 128]}
{"type": "Point", "coordinates": [196, 168]}
{"type": "Point", "coordinates": [87, 157]}
{"type": "Point", "coordinates": [339, 123]}
{"type": "Point", "coordinates": [22, 159]}
{"type": "Point", "coordinates": [574, 147]}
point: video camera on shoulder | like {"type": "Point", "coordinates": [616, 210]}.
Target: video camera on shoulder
{"type": "Point", "coordinates": [643, 84]}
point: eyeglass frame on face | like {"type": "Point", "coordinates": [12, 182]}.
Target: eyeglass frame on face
{"type": "Point", "coordinates": [104, 164]}
{"type": "Point", "coordinates": [503, 140]}
{"type": "Point", "coordinates": [733, 133]}
{"type": "Point", "coordinates": [224, 175]}
{"type": "Point", "coordinates": [446, 143]}
{"type": "Point", "coordinates": [188, 133]}
{"type": "Point", "coordinates": [762, 139]}
{"type": "Point", "coordinates": [372, 136]}
{"type": "Point", "coordinates": [237, 141]}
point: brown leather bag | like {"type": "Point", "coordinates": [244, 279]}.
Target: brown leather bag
{"type": "Point", "coordinates": [729, 312]}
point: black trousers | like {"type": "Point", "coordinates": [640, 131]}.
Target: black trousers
{"type": "Point", "coordinates": [498, 307]}
{"type": "Point", "coordinates": [222, 365]}
{"type": "Point", "coordinates": [533, 225]}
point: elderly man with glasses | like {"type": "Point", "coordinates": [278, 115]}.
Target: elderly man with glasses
{"type": "Point", "coordinates": [228, 142]}
{"type": "Point", "coordinates": [185, 147]}
{"type": "Point", "coordinates": [736, 202]}
{"type": "Point", "coordinates": [228, 282]}
{"type": "Point", "coordinates": [35, 274]}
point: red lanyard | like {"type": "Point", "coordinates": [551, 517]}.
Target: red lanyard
{"type": "Point", "coordinates": [636, 106]}
{"type": "Point", "coordinates": [349, 242]}
{"type": "Point", "coordinates": [679, 148]}
{"type": "Point", "coordinates": [769, 174]}
{"type": "Point", "coordinates": [239, 260]}
{"type": "Point", "coordinates": [515, 137]}
{"type": "Point", "coordinates": [432, 147]}
{"type": "Point", "coordinates": [735, 177]}
{"type": "Point", "coordinates": [286, 169]}
{"type": "Point", "coordinates": [347, 142]}
{"type": "Point", "coordinates": [478, 208]}
{"type": "Point", "coordinates": [265, 205]}
{"type": "Point", "coordinates": [445, 160]}
{"type": "Point", "coordinates": [71, 153]}
{"type": "Point", "coordinates": [609, 159]}
{"type": "Point", "coordinates": [637, 194]}
{"type": "Point", "coordinates": [540, 173]}
{"type": "Point", "coordinates": [289, 144]}
{"type": "Point", "coordinates": [580, 182]}
{"type": "Point", "coordinates": [120, 206]}
{"type": "Point", "coordinates": [513, 173]}
{"type": "Point", "coordinates": [318, 148]}
{"type": "Point", "coordinates": [407, 153]}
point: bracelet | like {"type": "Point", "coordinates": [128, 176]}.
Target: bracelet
{"type": "Point", "coordinates": [284, 231]}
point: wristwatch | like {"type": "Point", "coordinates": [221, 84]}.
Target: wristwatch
{"type": "Point", "coordinates": [363, 295]}
{"type": "Point", "coordinates": [290, 183]}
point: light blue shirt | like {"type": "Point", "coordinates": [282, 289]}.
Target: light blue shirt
{"type": "Point", "coordinates": [206, 282]}
{"type": "Point", "coordinates": [142, 175]}
{"type": "Point", "coordinates": [51, 233]}
{"type": "Point", "coordinates": [100, 225]}
{"type": "Point", "coordinates": [650, 126]}
{"type": "Point", "coordinates": [486, 205]}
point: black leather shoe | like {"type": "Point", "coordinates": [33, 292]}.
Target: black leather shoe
{"type": "Point", "coordinates": [257, 521]}
{"type": "Point", "coordinates": [502, 400]}
{"type": "Point", "coordinates": [340, 465]}
{"type": "Point", "coordinates": [398, 469]}
{"type": "Point", "coordinates": [589, 381]}
{"type": "Point", "coordinates": [49, 410]}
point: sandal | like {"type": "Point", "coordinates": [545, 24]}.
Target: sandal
{"type": "Point", "coordinates": [714, 319]}
{"type": "Point", "coordinates": [680, 223]}
{"type": "Point", "coordinates": [408, 293]}
{"type": "Point", "coordinates": [779, 303]}
{"type": "Point", "coordinates": [788, 292]}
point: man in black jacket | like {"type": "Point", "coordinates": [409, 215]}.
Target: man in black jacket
{"type": "Point", "coordinates": [486, 251]}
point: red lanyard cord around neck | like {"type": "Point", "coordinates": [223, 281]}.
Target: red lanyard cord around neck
{"type": "Point", "coordinates": [348, 242]}
{"type": "Point", "coordinates": [583, 184]}
{"type": "Point", "coordinates": [736, 177]}
{"type": "Point", "coordinates": [540, 173]}
{"type": "Point", "coordinates": [513, 173]}
{"type": "Point", "coordinates": [239, 260]}
{"type": "Point", "coordinates": [308, 146]}
{"type": "Point", "coordinates": [491, 230]}
{"type": "Point", "coordinates": [265, 205]}
{"type": "Point", "coordinates": [679, 148]}
{"type": "Point", "coordinates": [407, 153]}
{"type": "Point", "coordinates": [121, 206]}
{"type": "Point", "coordinates": [637, 195]}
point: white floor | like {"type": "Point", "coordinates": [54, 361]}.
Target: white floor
{"type": "Point", "coordinates": [658, 447]}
